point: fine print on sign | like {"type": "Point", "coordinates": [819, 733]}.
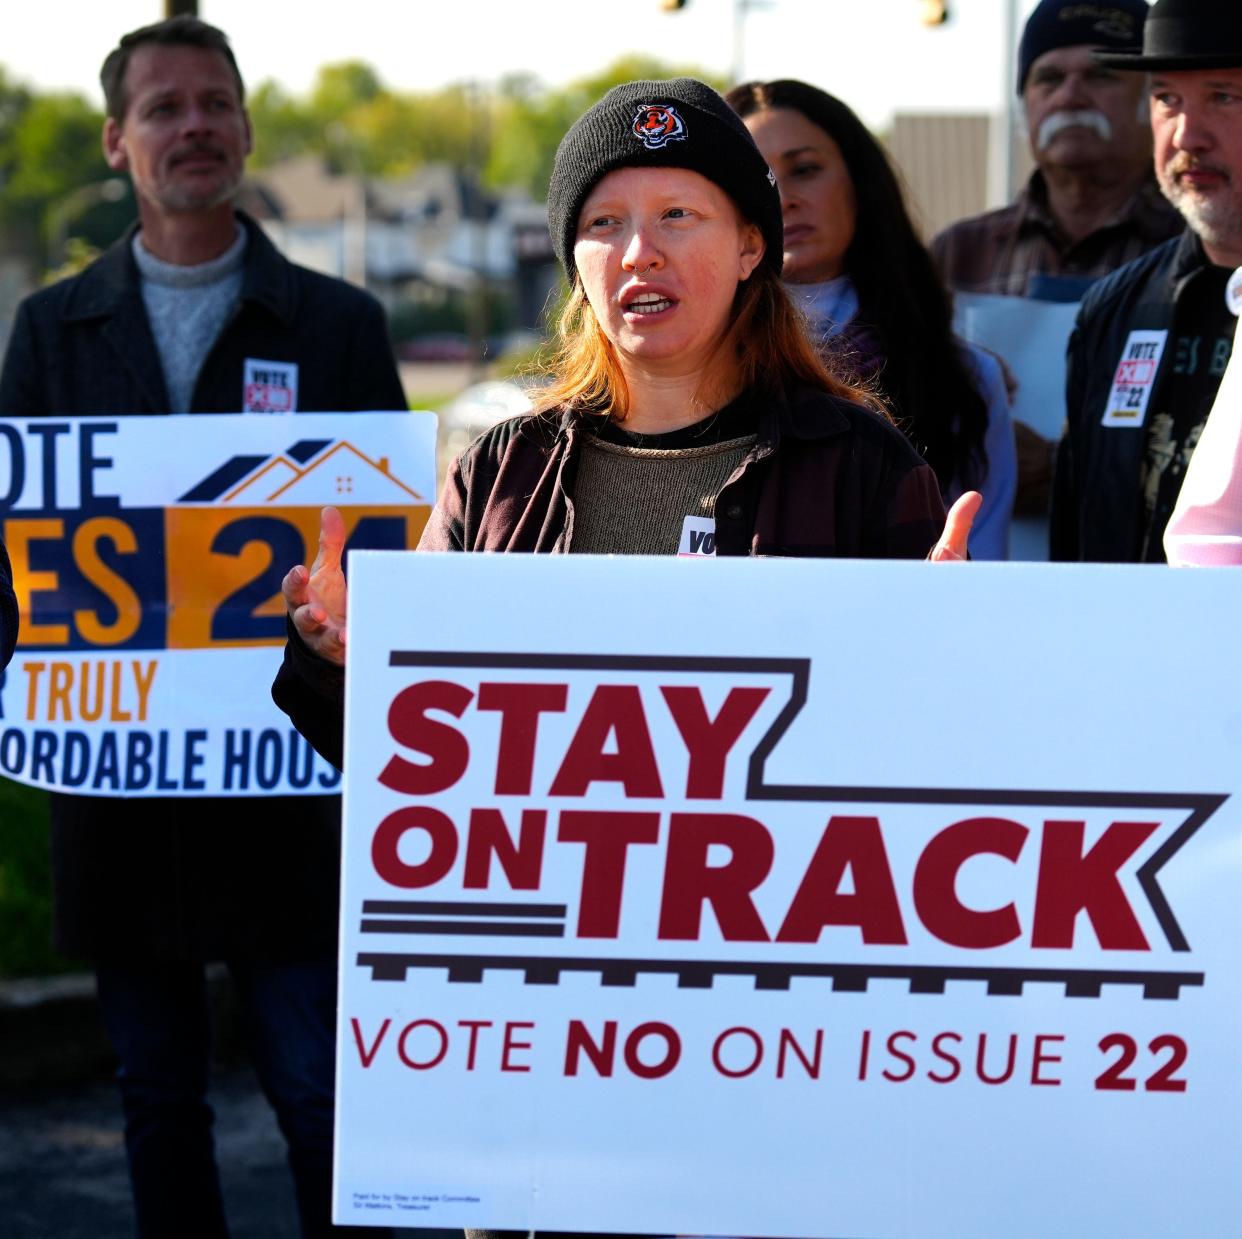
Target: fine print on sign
{"type": "Point", "coordinates": [147, 556]}
{"type": "Point", "coordinates": [672, 915]}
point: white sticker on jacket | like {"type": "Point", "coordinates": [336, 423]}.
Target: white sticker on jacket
{"type": "Point", "coordinates": [1233, 293]}
{"type": "Point", "coordinates": [1135, 377]}
{"type": "Point", "coordinates": [698, 537]}
{"type": "Point", "coordinates": [269, 386]}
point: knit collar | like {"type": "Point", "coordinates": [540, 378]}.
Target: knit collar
{"type": "Point", "coordinates": [196, 275]}
{"type": "Point", "coordinates": [803, 413]}
{"type": "Point", "coordinates": [109, 286]}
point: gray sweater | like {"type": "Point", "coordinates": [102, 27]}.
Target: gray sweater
{"type": "Point", "coordinates": [187, 308]}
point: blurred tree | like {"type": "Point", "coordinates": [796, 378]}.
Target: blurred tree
{"type": "Point", "coordinates": [352, 119]}
{"type": "Point", "coordinates": [357, 124]}
{"type": "Point", "coordinates": [397, 133]}
{"type": "Point", "coordinates": [339, 88]}
{"type": "Point", "coordinates": [14, 100]}
{"type": "Point", "coordinates": [79, 254]}
{"type": "Point", "coordinates": [49, 143]}
{"type": "Point", "coordinates": [283, 127]}
{"type": "Point", "coordinates": [49, 148]}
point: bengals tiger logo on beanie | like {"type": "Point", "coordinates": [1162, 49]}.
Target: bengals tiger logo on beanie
{"type": "Point", "coordinates": [654, 125]}
{"type": "Point", "coordinates": [680, 123]}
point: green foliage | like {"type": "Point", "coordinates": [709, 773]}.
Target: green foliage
{"type": "Point", "coordinates": [283, 127]}
{"type": "Point", "coordinates": [49, 148]}
{"type": "Point", "coordinates": [79, 254]}
{"type": "Point", "coordinates": [354, 121]}
{"type": "Point", "coordinates": [530, 124]}
{"type": "Point", "coordinates": [50, 143]}
{"type": "Point", "coordinates": [341, 87]}
{"type": "Point", "coordinates": [14, 100]}
{"type": "Point", "coordinates": [25, 886]}
{"type": "Point", "coordinates": [409, 319]}
{"type": "Point", "coordinates": [55, 147]}
{"type": "Point", "coordinates": [358, 125]}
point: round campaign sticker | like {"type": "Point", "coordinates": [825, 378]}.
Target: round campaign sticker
{"type": "Point", "coordinates": [1233, 292]}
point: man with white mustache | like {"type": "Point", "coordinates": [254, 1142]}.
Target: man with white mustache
{"type": "Point", "coordinates": [1091, 205]}
{"type": "Point", "coordinates": [1153, 340]}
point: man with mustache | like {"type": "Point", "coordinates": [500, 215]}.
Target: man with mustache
{"type": "Point", "coordinates": [1090, 205]}
{"type": "Point", "coordinates": [1152, 341]}
{"type": "Point", "coordinates": [196, 312]}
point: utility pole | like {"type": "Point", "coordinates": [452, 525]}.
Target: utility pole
{"type": "Point", "coordinates": [1003, 131]}
{"type": "Point", "coordinates": [740, 9]}
{"type": "Point", "coordinates": [175, 8]}
{"type": "Point", "coordinates": [477, 213]}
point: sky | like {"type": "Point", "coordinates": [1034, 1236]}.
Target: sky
{"type": "Point", "coordinates": [875, 54]}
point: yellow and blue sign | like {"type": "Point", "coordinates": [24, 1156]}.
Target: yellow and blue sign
{"type": "Point", "coordinates": [148, 555]}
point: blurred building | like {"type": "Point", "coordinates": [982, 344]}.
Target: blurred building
{"type": "Point", "coordinates": [944, 161]}
{"type": "Point", "coordinates": [418, 240]}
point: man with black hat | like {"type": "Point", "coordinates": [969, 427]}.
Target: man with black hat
{"type": "Point", "coordinates": [1091, 204]}
{"type": "Point", "coordinates": [1152, 340]}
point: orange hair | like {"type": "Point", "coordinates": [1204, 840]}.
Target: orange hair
{"type": "Point", "coordinates": [767, 346]}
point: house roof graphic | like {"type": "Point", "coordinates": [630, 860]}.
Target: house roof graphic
{"type": "Point", "coordinates": [310, 473]}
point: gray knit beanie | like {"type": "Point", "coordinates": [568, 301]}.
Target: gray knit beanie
{"type": "Point", "coordinates": [682, 123]}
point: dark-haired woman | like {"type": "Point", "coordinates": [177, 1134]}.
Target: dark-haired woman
{"type": "Point", "coordinates": [685, 391]}
{"type": "Point", "coordinates": [854, 261]}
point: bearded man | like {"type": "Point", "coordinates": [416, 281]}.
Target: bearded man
{"type": "Point", "coordinates": [1152, 341]}
{"type": "Point", "coordinates": [1090, 206]}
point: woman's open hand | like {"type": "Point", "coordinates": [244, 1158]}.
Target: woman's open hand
{"type": "Point", "coordinates": [952, 544]}
{"type": "Point", "coordinates": [317, 599]}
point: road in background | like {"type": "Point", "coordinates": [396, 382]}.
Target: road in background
{"type": "Point", "coordinates": [62, 1164]}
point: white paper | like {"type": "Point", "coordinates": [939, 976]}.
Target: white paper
{"type": "Point", "coordinates": [552, 1029]}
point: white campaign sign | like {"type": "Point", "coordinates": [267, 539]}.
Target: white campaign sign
{"type": "Point", "coordinates": [785, 898]}
{"type": "Point", "coordinates": [147, 556]}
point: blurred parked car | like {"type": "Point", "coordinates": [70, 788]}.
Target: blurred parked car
{"type": "Point", "coordinates": [437, 346]}
{"type": "Point", "coordinates": [467, 416]}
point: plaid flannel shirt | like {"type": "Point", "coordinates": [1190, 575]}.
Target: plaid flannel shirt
{"type": "Point", "coordinates": [1001, 251]}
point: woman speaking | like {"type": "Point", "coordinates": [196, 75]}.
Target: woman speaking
{"type": "Point", "coordinates": [686, 392]}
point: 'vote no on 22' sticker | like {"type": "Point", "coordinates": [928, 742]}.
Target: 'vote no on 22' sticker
{"type": "Point", "coordinates": [1134, 378]}
{"type": "Point", "coordinates": [698, 538]}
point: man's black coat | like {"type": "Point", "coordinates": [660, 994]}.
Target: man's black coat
{"type": "Point", "coordinates": [195, 878]}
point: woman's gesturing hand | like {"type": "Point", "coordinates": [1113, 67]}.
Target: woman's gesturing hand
{"type": "Point", "coordinates": [317, 599]}
{"type": "Point", "coordinates": [952, 544]}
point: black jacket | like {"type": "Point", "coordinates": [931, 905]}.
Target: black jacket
{"type": "Point", "coordinates": [195, 878]}
{"type": "Point", "coordinates": [8, 610]}
{"type": "Point", "coordinates": [1096, 499]}
{"type": "Point", "coordinates": [825, 479]}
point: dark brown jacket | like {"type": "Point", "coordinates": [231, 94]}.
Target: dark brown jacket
{"type": "Point", "coordinates": [825, 478]}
